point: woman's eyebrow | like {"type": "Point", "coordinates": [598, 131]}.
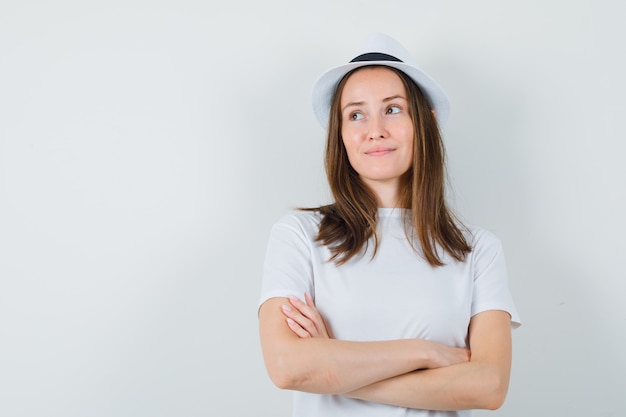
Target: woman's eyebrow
{"type": "Point", "coordinates": [352, 104]}
{"type": "Point", "coordinates": [394, 97]}
{"type": "Point", "coordinates": [385, 100]}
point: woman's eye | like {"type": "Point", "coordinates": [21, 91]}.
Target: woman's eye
{"type": "Point", "coordinates": [393, 110]}
{"type": "Point", "coordinates": [356, 116]}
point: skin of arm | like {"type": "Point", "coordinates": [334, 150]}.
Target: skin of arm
{"type": "Point", "coordinates": [480, 383]}
{"type": "Point", "coordinates": [320, 364]}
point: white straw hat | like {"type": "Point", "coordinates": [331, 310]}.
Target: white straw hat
{"type": "Point", "coordinates": [378, 49]}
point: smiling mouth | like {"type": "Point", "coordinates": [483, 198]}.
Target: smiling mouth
{"type": "Point", "coordinates": [379, 151]}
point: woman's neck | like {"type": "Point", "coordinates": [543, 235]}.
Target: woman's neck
{"type": "Point", "coordinates": [387, 193]}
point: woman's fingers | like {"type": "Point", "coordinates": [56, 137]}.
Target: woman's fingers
{"type": "Point", "coordinates": [299, 319]}
{"type": "Point", "coordinates": [452, 356]}
{"type": "Point", "coordinates": [299, 331]}
{"type": "Point", "coordinates": [306, 317]}
{"type": "Point", "coordinates": [307, 309]}
{"type": "Point", "coordinates": [309, 301]}
{"type": "Point", "coordinates": [320, 324]}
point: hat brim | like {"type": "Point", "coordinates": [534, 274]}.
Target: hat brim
{"type": "Point", "coordinates": [325, 86]}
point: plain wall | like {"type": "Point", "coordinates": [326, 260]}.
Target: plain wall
{"type": "Point", "coordinates": [147, 147]}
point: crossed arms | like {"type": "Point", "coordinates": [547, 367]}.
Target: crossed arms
{"type": "Point", "coordinates": [300, 354]}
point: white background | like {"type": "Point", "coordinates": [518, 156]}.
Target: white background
{"type": "Point", "coordinates": [147, 147]}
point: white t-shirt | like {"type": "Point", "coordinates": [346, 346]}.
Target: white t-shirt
{"type": "Point", "coordinates": [395, 295]}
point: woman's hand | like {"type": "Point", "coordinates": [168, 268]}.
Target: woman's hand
{"type": "Point", "coordinates": [304, 319]}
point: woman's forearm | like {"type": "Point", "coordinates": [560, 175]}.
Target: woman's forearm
{"type": "Point", "coordinates": [481, 383]}
{"type": "Point", "coordinates": [329, 366]}
{"type": "Point", "coordinates": [459, 387]}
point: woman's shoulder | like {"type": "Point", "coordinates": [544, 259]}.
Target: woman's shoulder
{"type": "Point", "coordinates": [482, 240]}
{"type": "Point", "coordinates": [478, 234]}
{"type": "Point", "coordinates": [304, 221]}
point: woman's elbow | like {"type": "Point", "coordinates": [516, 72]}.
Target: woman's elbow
{"type": "Point", "coordinates": [494, 392]}
{"type": "Point", "coordinates": [289, 373]}
{"type": "Point", "coordinates": [486, 392]}
{"type": "Point", "coordinates": [282, 380]}
{"type": "Point", "coordinates": [494, 403]}
{"type": "Point", "coordinates": [282, 373]}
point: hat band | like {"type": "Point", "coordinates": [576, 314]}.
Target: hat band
{"type": "Point", "coordinates": [375, 56]}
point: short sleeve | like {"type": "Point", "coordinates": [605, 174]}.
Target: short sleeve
{"type": "Point", "coordinates": [287, 269]}
{"type": "Point", "coordinates": [491, 288]}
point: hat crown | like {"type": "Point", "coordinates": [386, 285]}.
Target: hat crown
{"type": "Point", "coordinates": [384, 44]}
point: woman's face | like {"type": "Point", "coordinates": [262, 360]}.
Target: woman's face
{"type": "Point", "coordinates": [377, 129]}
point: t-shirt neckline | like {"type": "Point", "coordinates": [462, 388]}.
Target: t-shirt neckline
{"type": "Point", "coordinates": [390, 212]}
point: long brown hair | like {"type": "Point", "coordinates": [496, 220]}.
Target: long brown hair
{"type": "Point", "coordinates": [350, 221]}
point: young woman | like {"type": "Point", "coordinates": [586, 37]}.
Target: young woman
{"type": "Point", "coordinates": [382, 303]}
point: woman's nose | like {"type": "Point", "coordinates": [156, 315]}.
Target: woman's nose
{"type": "Point", "coordinates": [377, 128]}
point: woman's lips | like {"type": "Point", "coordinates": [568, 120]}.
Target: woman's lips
{"type": "Point", "coordinates": [379, 151]}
